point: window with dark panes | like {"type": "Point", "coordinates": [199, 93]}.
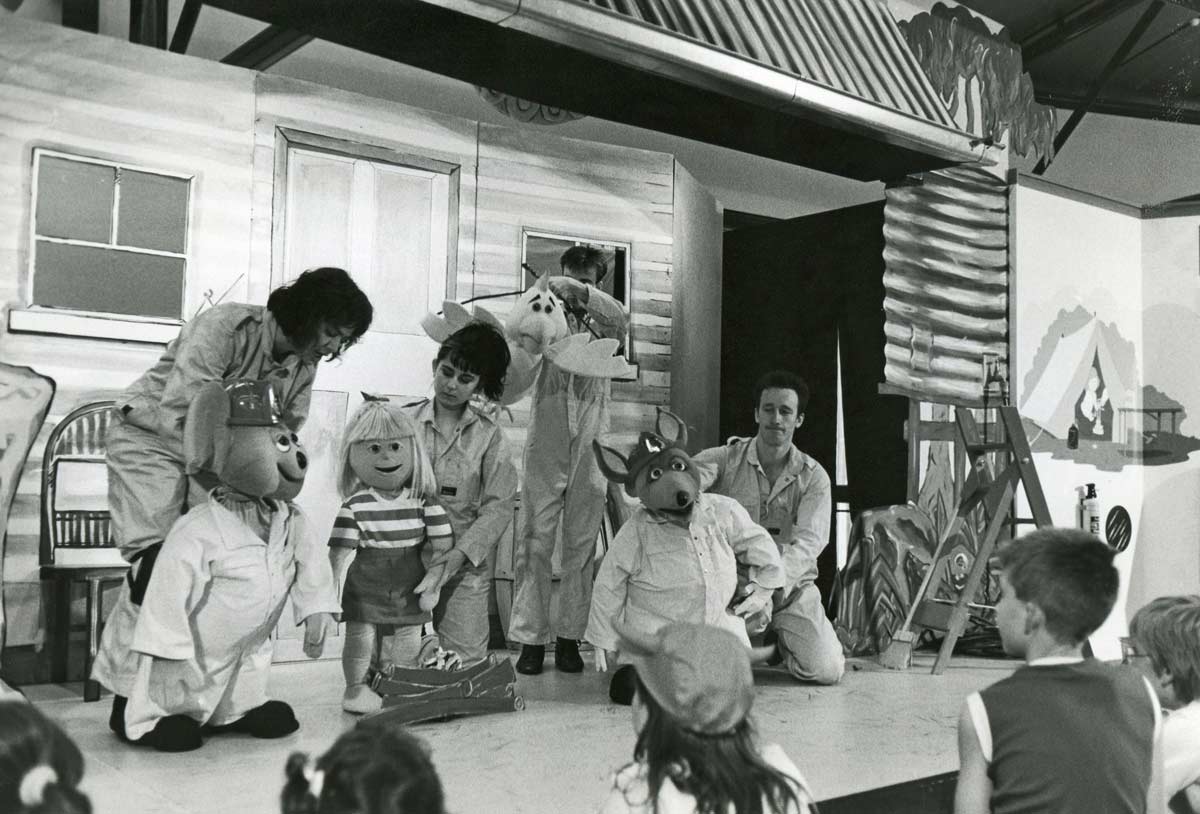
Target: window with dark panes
{"type": "Point", "coordinates": [108, 238]}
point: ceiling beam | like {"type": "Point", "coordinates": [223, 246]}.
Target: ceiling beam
{"type": "Point", "coordinates": [1161, 110]}
{"type": "Point", "coordinates": [1114, 62]}
{"type": "Point", "coordinates": [267, 47]}
{"type": "Point", "coordinates": [185, 26]}
{"type": "Point", "coordinates": [1074, 23]}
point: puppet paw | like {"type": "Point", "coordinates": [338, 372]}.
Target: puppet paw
{"type": "Point", "coordinates": [175, 733]}
{"type": "Point", "coordinates": [273, 719]}
{"type": "Point", "coordinates": [428, 600]}
{"type": "Point", "coordinates": [623, 685]}
{"type": "Point", "coordinates": [442, 659]}
{"type": "Point", "coordinates": [359, 699]}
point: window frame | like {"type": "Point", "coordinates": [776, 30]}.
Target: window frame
{"type": "Point", "coordinates": [528, 232]}
{"type": "Point", "coordinates": [287, 137]}
{"type": "Point", "coordinates": [35, 318]}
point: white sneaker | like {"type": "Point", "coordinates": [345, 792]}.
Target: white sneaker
{"type": "Point", "coordinates": [360, 699]}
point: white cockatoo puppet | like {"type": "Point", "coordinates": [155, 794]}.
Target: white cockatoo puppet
{"type": "Point", "coordinates": [537, 331]}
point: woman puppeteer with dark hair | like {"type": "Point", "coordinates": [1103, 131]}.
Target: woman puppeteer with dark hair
{"type": "Point", "coordinates": [317, 316]}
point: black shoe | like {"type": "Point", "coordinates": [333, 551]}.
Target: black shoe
{"type": "Point", "coordinates": [175, 733]}
{"type": "Point", "coordinates": [566, 656]}
{"type": "Point", "coordinates": [274, 719]}
{"type": "Point", "coordinates": [623, 685]}
{"type": "Point", "coordinates": [530, 661]}
{"type": "Point", "coordinates": [116, 718]}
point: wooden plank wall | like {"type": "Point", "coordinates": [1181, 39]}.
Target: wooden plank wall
{"type": "Point", "coordinates": [96, 96]}
{"type": "Point", "coordinates": [539, 181]}
{"type": "Point", "coordinates": [99, 96]}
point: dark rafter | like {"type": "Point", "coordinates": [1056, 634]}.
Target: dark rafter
{"type": "Point", "coordinates": [186, 25]}
{"type": "Point", "coordinates": [148, 22]}
{"type": "Point", "coordinates": [267, 47]}
{"type": "Point", "coordinates": [1158, 109]}
{"type": "Point", "coordinates": [1074, 23]}
{"type": "Point", "coordinates": [1135, 34]}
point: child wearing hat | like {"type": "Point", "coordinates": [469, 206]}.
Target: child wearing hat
{"type": "Point", "coordinates": [696, 748]}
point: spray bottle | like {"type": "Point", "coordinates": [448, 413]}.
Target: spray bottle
{"type": "Point", "coordinates": [1089, 511]}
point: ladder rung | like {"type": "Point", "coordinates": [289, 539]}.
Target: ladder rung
{"type": "Point", "coordinates": [975, 449]}
{"type": "Point", "coordinates": [1021, 521]}
{"type": "Point", "coordinates": [941, 601]}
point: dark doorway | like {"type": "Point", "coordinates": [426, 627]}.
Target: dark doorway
{"type": "Point", "coordinates": [790, 289]}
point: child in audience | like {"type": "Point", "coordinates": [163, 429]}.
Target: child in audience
{"type": "Point", "coordinates": [40, 766]}
{"type": "Point", "coordinates": [374, 768]}
{"type": "Point", "coordinates": [1061, 734]}
{"type": "Point", "coordinates": [1167, 631]}
{"type": "Point", "coordinates": [696, 752]}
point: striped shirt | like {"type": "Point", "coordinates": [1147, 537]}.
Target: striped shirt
{"type": "Point", "coordinates": [369, 520]}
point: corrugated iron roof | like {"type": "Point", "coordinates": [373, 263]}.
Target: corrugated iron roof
{"type": "Point", "coordinates": [852, 46]}
{"type": "Point", "coordinates": [828, 84]}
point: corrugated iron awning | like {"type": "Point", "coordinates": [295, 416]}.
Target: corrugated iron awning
{"type": "Point", "coordinates": [851, 46]}
{"type": "Point", "coordinates": [828, 84]}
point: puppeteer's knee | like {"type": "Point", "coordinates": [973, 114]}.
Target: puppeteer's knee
{"type": "Point", "coordinates": [824, 665]}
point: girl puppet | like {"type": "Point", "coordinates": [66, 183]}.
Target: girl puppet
{"type": "Point", "coordinates": [477, 480]}
{"type": "Point", "coordinates": [390, 522]}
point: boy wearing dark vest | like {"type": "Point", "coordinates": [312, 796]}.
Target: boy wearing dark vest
{"type": "Point", "coordinates": [1062, 734]}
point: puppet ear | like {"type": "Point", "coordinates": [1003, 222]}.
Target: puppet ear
{"type": "Point", "coordinates": [206, 433]}
{"type": "Point", "coordinates": [613, 464]}
{"type": "Point", "coordinates": [484, 315]}
{"type": "Point", "coordinates": [671, 428]}
{"type": "Point", "coordinates": [543, 283]}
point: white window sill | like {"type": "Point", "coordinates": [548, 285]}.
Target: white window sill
{"type": "Point", "coordinates": [92, 326]}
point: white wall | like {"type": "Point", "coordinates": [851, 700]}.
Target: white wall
{"type": "Point", "coordinates": [1067, 253]}
{"type": "Point", "coordinates": [1169, 538]}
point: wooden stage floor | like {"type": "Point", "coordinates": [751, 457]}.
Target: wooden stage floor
{"type": "Point", "coordinates": [876, 728]}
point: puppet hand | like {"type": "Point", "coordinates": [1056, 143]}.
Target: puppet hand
{"type": "Point", "coordinates": [757, 599]}
{"type": "Point", "coordinates": [604, 658]}
{"type": "Point", "coordinates": [570, 290]}
{"type": "Point", "coordinates": [315, 628]}
{"type": "Point", "coordinates": [452, 562]}
{"type": "Point", "coordinates": [174, 681]}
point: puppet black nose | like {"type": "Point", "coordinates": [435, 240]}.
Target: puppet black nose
{"type": "Point", "coordinates": [301, 460]}
{"type": "Point", "coordinates": [683, 498]}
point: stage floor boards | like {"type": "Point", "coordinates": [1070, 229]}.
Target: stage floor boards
{"type": "Point", "coordinates": [874, 729]}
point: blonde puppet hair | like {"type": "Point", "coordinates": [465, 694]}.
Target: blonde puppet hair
{"type": "Point", "coordinates": [378, 419]}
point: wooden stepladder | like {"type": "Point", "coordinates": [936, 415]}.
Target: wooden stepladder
{"type": "Point", "coordinates": [995, 492]}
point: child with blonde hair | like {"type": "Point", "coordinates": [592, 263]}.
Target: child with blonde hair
{"type": "Point", "coordinates": [696, 750]}
{"type": "Point", "coordinates": [1167, 631]}
{"type": "Point", "coordinates": [392, 526]}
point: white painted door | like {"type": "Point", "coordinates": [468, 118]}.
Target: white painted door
{"type": "Point", "coordinates": [387, 225]}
